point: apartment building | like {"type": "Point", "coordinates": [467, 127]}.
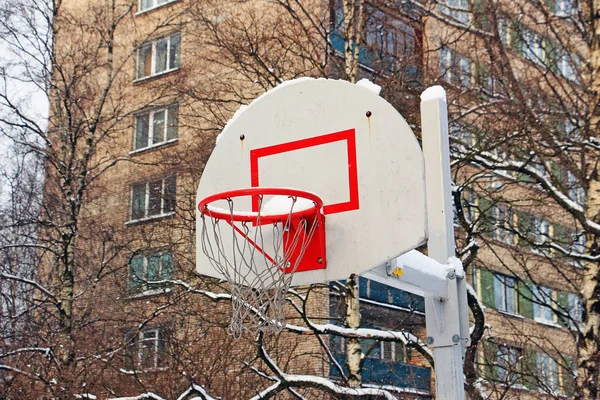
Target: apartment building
{"type": "Point", "coordinates": [186, 67]}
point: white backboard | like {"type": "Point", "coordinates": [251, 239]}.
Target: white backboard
{"type": "Point", "coordinates": [342, 142]}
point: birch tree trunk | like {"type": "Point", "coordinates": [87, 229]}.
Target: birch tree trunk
{"type": "Point", "coordinates": [354, 352]}
{"type": "Point", "coordinates": [353, 24]}
{"type": "Point", "coordinates": [589, 340]}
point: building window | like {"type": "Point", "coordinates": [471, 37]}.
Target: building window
{"type": "Point", "coordinates": [542, 233]}
{"type": "Point", "coordinates": [159, 56]}
{"type": "Point", "coordinates": [462, 133]}
{"type": "Point", "coordinates": [470, 203]}
{"type": "Point", "coordinates": [579, 242]}
{"type": "Point", "coordinates": [533, 49]}
{"type": "Point", "coordinates": [508, 364]}
{"type": "Point", "coordinates": [542, 305]}
{"type": "Point", "coordinates": [150, 4]}
{"type": "Point", "coordinates": [485, 80]}
{"type": "Point", "coordinates": [575, 310]}
{"type": "Point", "coordinates": [147, 349]}
{"type": "Point", "coordinates": [505, 291]}
{"type": "Point", "coordinates": [446, 59]}
{"type": "Point", "coordinates": [465, 71]}
{"type": "Point", "coordinates": [548, 372]}
{"type": "Point", "coordinates": [156, 127]}
{"type": "Point", "coordinates": [457, 9]}
{"type": "Point", "coordinates": [147, 272]}
{"type": "Point", "coordinates": [455, 68]}
{"type": "Point", "coordinates": [569, 129]}
{"type": "Point", "coordinates": [504, 219]}
{"type": "Point", "coordinates": [565, 67]}
{"type": "Point", "coordinates": [392, 351]}
{"type": "Point", "coordinates": [388, 35]}
{"type": "Point", "coordinates": [503, 31]}
{"type": "Point", "coordinates": [153, 199]}
{"type": "Point", "coordinates": [576, 191]}
{"type": "Point", "coordinates": [564, 8]}
{"type": "Point", "coordinates": [376, 292]}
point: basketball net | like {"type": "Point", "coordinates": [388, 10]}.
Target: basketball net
{"type": "Point", "coordinates": [260, 261]}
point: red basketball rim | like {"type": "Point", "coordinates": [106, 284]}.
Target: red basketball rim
{"type": "Point", "coordinates": [254, 216]}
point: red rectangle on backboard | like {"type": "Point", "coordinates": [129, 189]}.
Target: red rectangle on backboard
{"type": "Point", "coordinates": [348, 136]}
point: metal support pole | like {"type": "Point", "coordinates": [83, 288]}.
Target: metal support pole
{"type": "Point", "coordinates": [447, 328]}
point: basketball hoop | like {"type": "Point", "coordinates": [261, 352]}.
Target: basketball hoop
{"type": "Point", "coordinates": [283, 233]}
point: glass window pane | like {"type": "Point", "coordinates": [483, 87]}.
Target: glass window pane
{"type": "Point", "coordinates": [547, 298]}
{"type": "Point", "coordinates": [499, 292]}
{"type": "Point", "coordinates": [371, 348]}
{"type": "Point", "coordinates": [173, 122]}
{"type": "Point", "coordinates": [136, 272]}
{"type": "Point", "coordinates": [465, 73]}
{"type": "Point", "coordinates": [150, 334]}
{"type": "Point", "coordinates": [170, 194]}
{"type": "Point", "coordinates": [175, 51]}
{"type": "Point", "coordinates": [154, 198]}
{"type": "Point", "coordinates": [138, 201]}
{"type": "Point", "coordinates": [511, 298]}
{"type": "Point", "coordinates": [145, 4]}
{"type": "Point", "coordinates": [148, 353]}
{"type": "Point", "coordinates": [398, 352]}
{"type": "Point", "coordinates": [158, 127]}
{"type": "Point", "coordinates": [336, 344]}
{"type": "Point", "coordinates": [153, 268]}
{"type": "Point", "coordinates": [144, 67]}
{"type": "Point", "coordinates": [166, 271]}
{"type": "Point", "coordinates": [387, 350]}
{"type": "Point", "coordinates": [161, 56]}
{"type": "Point", "coordinates": [141, 131]}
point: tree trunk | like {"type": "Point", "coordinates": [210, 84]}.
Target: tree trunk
{"type": "Point", "coordinates": [589, 339]}
{"type": "Point", "coordinates": [353, 24]}
{"type": "Point", "coordinates": [354, 352]}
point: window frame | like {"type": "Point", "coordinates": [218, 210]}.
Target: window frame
{"type": "Point", "coordinates": [155, 5]}
{"type": "Point", "coordinates": [145, 286]}
{"type": "Point", "coordinates": [542, 360]}
{"type": "Point", "coordinates": [153, 46]}
{"type": "Point", "coordinates": [533, 47]}
{"type": "Point", "coordinates": [565, 67]}
{"type": "Point", "coordinates": [575, 310]}
{"type": "Point", "coordinates": [501, 292]}
{"type": "Point", "coordinates": [455, 68]}
{"type": "Point", "coordinates": [150, 134]}
{"type": "Point", "coordinates": [388, 35]}
{"type": "Point", "coordinates": [380, 350]}
{"type": "Point", "coordinates": [543, 305]}
{"type": "Point", "coordinates": [504, 220]}
{"type": "Point", "coordinates": [543, 233]}
{"type": "Point", "coordinates": [564, 8]}
{"type": "Point", "coordinates": [508, 365]}
{"type": "Point", "coordinates": [458, 10]}
{"type": "Point", "coordinates": [141, 345]}
{"type": "Point", "coordinates": [164, 199]}
{"type": "Point", "coordinates": [152, 338]}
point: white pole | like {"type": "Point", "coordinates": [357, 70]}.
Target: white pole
{"type": "Point", "coordinates": [446, 332]}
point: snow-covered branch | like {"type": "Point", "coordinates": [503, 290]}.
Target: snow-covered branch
{"type": "Point", "coordinates": [47, 351]}
{"type": "Point", "coordinates": [491, 161]}
{"type": "Point", "coordinates": [143, 396]}
{"type": "Point", "coordinates": [309, 381]}
{"type": "Point", "coordinates": [28, 282]}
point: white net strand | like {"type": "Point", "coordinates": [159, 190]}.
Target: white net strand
{"type": "Point", "coordinates": [258, 279]}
